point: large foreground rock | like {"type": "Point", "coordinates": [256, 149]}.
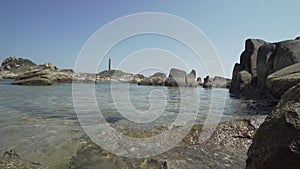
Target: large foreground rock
{"type": "Point", "coordinates": [276, 144]}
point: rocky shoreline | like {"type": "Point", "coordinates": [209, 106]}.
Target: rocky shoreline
{"type": "Point", "coordinates": [267, 72]}
{"type": "Point", "coordinates": [26, 72]}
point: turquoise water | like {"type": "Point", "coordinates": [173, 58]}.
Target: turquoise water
{"type": "Point", "coordinates": [41, 124]}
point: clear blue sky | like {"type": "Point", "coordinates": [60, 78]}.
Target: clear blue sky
{"type": "Point", "coordinates": [56, 30]}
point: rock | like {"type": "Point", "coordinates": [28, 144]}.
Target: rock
{"type": "Point", "coordinates": [221, 82]}
{"type": "Point", "coordinates": [1, 78]}
{"type": "Point", "coordinates": [264, 64]}
{"type": "Point", "coordinates": [49, 66]}
{"type": "Point", "coordinates": [286, 54]}
{"type": "Point", "coordinates": [35, 78]}
{"type": "Point", "coordinates": [137, 78]}
{"type": "Point", "coordinates": [12, 160]}
{"type": "Point", "coordinates": [276, 143]}
{"type": "Point", "coordinates": [298, 38]}
{"type": "Point", "coordinates": [8, 75]}
{"type": "Point", "coordinates": [208, 82]}
{"type": "Point", "coordinates": [249, 56]}
{"type": "Point", "coordinates": [269, 58]}
{"type": "Point", "coordinates": [280, 81]}
{"type": "Point", "coordinates": [199, 81]}
{"type": "Point", "coordinates": [179, 76]}
{"type": "Point", "coordinates": [235, 88]}
{"type": "Point", "coordinates": [16, 65]}
{"type": "Point", "coordinates": [157, 79]}
{"type": "Point", "coordinates": [191, 79]}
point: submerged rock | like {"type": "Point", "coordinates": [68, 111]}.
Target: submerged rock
{"type": "Point", "coordinates": [226, 148]}
{"type": "Point", "coordinates": [12, 160]}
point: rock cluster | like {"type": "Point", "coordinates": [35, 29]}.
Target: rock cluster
{"type": "Point", "coordinates": [157, 79]}
{"type": "Point", "coordinates": [25, 72]}
{"type": "Point", "coordinates": [271, 71]}
{"type": "Point", "coordinates": [176, 78]}
{"type": "Point", "coordinates": [264, 66]}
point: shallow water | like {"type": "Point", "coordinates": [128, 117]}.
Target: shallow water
{"type": "Point", "coordinates": [40, 123]}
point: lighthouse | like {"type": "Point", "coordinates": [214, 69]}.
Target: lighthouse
{"type": "Point", "coordinates": [109, 64]}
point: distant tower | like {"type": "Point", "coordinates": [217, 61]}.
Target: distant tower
{"type": "Point", "coordinates": [109, 64]}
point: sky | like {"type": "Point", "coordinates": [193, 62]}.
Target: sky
{"type": "Point", "coordinates": [57, 31]}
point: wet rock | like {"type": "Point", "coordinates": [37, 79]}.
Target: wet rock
{"type": "Point", "coordinates": [277, 142]}
{"type": "Point", "coordinates": [261, 107]}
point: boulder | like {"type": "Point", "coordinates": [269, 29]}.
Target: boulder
{"type": "Point", "coordinates": [199, 81]}
{"type": "Point", "coordinates": [286, 54]}
{"type": "Point", "coordinates": [234, 88]}
{"type": "Point", "coordinates": [280, 81]}
{"type": "Point", "coordinates": [276, 143]}
{"type": "Point", "coordinates": [208, 82]}
{"type": "Point", "coordinates": [221, 82]}
{"type": "Point", "coordinates": [264, 63]}
{"type": "Point", "coordinates": [249, 56]}
{"type": "Point", "coordinates": [191, 79]}
{"type": "Point", "coordinates": [179, 76]}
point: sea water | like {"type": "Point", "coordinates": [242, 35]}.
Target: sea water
{"type": "Point", "coordinates": [40, 122]}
